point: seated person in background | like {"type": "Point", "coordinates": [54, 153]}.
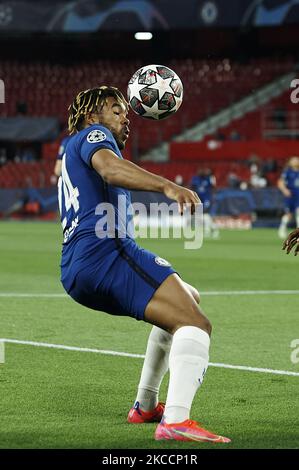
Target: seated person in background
{"type": "Point", "coordinates": [289, 186]}
{"type": "Point", "coordinates": [233, 181]}
{"type": "Point", "coordinates": [234, 136]}
{"type": "Point", "coordinates": [257, 180]}
{"type": "Point", "coordinates": [279, 117]}
{"type": "Point", "coordinates": [269, 166]}
{"type": "Point", "coordinates": [257, 177]}
{"type": "Point", "coordinates": [179, 180]}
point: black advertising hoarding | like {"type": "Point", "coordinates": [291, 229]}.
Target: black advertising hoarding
{"type": "Point", "coordinates": [132, 15]}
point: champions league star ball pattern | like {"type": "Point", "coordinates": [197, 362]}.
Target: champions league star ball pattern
{"type": "Point", "coordinates": [155, 92]}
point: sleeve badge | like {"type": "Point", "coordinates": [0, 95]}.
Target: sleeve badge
{"type": "Point", "coordinates": [96, 136]}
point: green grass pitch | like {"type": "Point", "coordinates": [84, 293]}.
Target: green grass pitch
{"type": "Point", "coordinates": [54, 398]}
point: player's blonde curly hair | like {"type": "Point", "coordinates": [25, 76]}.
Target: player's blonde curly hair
{"type": "Point", "coordinates": [89, 101]}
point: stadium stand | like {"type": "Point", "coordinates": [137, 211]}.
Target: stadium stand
{"type": "Point", "coordinates": [209, 85]}
{"type": "Point", "coordinates": [276, 119]}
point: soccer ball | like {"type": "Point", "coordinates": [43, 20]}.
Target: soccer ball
{"type": "Point", "coordinates": [155, 92]}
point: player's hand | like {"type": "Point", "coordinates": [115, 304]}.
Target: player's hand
{"type": "Point", "coordinates": [291, 241]}
{"type": "Point", "coordinates": [182, 196]}
{"type": "Point", "coordinates": [287, 193]}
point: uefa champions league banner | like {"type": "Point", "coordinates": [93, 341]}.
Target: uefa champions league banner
{"type": "Point", "coordinates": [133, 15]}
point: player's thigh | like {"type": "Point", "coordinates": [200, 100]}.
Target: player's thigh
{"type": "Point", "coordinates": [289, 207]}
{"type": "Point", "coordinates": [173, 306]}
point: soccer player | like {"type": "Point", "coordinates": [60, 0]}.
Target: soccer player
{"type": "Point", "coordinates": [61, 150]}
{"type": "Point", "coordinates": [291, 242]}
{"type": "Point", "coordinates": [103, 268]}
{"type": "Point", "coordinates": [203, 184]}
{"type": "Point", "coordinates": [289, 186]}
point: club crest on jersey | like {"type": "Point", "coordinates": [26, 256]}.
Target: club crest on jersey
{"type": "Point", "coordinates": [96, 136]}
{"type": "Point", "coordinates": [161, 261]}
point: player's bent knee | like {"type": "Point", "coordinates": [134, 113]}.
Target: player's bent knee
{"type": "Point", "coordinates": [195, 317]}
{"type": "Point", "coordinates": [208, 326]}
{"type": "Point", "coordinates": [203, 325]}
{"type": "Point", "coordinates": [204, 322]}
{"type": "Point", "coordinates": [173, 306]}
{"type": "Point", "coordinates": [194, 292]}
{"type": "Point", "coordinates": [196, 295]}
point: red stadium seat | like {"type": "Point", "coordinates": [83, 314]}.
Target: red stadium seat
{"type": "Point", "coordinates": [209, 85]}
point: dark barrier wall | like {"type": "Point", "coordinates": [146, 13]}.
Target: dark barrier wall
{"type": "Point", "coordinates": [95, 15]}
{"type": "Point", "coordinates": [226, 201]}
{"type": "Point", "coordinates": [15, 200]}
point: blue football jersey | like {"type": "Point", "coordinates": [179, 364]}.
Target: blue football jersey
{"type": "Point", "coordinates": [93, 213]}
{"type": "Point", "coordinates": [202, 185]}
{"type": "Point", "coordinates": [291, 180]}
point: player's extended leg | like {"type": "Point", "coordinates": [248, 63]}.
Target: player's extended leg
{"type": "Point", "coordinates": [207, 221]}
{"type": "Point", "coordinates": [147, 407]}
{"type": "Point", "coordinates": [174, 309]}
{"type": "Point", "coordinates": [297, 216]}
{"type": "Point", "coordinates": [215, 230]}
{"type": "Point", "coordinates": [210, 227]}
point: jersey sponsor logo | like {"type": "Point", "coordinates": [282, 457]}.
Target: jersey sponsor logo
{"type": "Point", "coordinates": [96, 136]}
{"type": "Point", "coordinates": [161, 261]}
{"type": "Point", "coordinates": [69, 232]}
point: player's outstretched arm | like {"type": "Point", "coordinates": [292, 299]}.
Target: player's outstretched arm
{"type": "Point", "coordinates": [57, 168]}
{"type": "Point", "coordinates": [128, 175]}
{"type": "Point", "coordinates": [291, 242]}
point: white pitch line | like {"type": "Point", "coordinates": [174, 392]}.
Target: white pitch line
{"type": "Point", "coordinates": [31, 295]}
{"type": "Point", "coordinates": [141, 356]}
{"type": "Point", "coordinates": [204, 293]}
{"type": "Point", "coordinates": [70, 348]}
{"type": "Point", "coordinates": [250, 292]}
{"type": "Point", "coordinates": [254, 369]}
